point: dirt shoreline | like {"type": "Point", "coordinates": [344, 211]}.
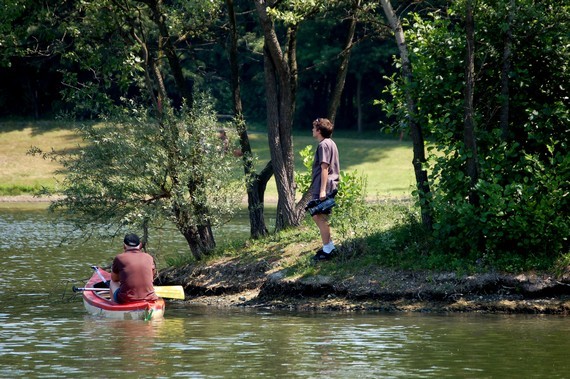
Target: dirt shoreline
{"type": "Point", "coordinates": [258, 285]}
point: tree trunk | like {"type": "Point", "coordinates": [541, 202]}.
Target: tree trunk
{"type": "Point", "coordinates": [280, 158]}
{"type": "Point", "coordinates": [505, 71]}
{"type": "Point", "coordinates": [256, 184]}
{"type": "Point", "coordinates": [199, 239]}
{"type": "Point", "coordinates": [280, 83]}
{"type": "Point", "coordinates": [255, 195]}
{"type": "Point", "coordinates": [415, 129]}
{"type": "Point", "coordinates": [472, 167]}
{"type": "Point", "coordinates": [170, 52]}
{"type": "Point", "coordinates": [343, 67]}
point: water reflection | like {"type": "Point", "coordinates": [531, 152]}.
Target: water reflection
{"type": "Point", "coordinates": [128, 345]}
{"type": "Point", "coordinates": [45, 331]}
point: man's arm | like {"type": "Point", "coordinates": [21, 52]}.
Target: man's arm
{"type": "Point", "coordinates": [324, 180]}
{"type": "Point", "coordinates": [114, 275]}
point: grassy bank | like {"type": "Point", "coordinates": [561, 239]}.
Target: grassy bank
{"type": "Point", "coordinates": [386, 233]}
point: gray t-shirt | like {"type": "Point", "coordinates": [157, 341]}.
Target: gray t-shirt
{"type": "Point", "coordinates": [327, 152]}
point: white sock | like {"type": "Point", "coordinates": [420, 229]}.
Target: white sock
{"type": "Point", "coordinates": [328, 247]}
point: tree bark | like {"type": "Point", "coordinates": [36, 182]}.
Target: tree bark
{"type": "Point", "coordinates": [256, 184]}
{"type": "Point", "coordinates": [170, 51]}
{"type": "Point", "coordinates": [280, 82]}
{"type": "Point", "coordinates": [255, 196]}
{"type": "Point", "coordinates": [199, 240]}
{"type": "Point", "coordinates": [416, 133]}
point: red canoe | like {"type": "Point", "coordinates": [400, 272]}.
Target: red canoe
{"type": "Point", "coordinates": [98, 303]}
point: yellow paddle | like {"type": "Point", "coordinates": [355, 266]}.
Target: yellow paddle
{"type": "Point", "coordinates": [168, 292]}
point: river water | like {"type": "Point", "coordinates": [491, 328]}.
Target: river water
{"type": "Point", "coordinates": [46, 333]}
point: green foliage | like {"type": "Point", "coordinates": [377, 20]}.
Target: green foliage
{"type": "Point", "coordinates": [522, 189]}
{"type": "Point", "coordinates": [303, 179]}
{"type": "Point", "coordinates": [138, 171]}
{"type": "Point", "coordinates": [116, 42]}
{"type": "Point", "coordinates": [351, 189]}
{"type": "Point", "coordinates": [349, 215]}
{"type": "Point", "coordinates": [292, 12]}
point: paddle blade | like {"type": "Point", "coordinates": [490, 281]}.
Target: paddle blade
{"type": "Point", "coordinates": [170, 292]}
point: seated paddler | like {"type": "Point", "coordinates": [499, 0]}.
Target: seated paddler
{"type": "Point", "coordinates": [132, 273]}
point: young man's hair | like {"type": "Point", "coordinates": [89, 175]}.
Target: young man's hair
{"type": "Point", "coordinates": [324, 126]}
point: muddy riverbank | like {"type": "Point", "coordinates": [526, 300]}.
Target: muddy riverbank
{"type": "Point", "coordinates": [264, 284]}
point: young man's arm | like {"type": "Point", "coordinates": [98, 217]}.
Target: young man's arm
{"type": "Point", "coordinates": [114, 275]}
{"type": "Point", "coordinates": [324, 180]}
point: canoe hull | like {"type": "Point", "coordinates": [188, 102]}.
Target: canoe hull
{"type": "Point", "coordinates": [96, 303]}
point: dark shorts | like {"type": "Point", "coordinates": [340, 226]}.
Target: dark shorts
{"type": "Point", "coordinates": [116, 296]}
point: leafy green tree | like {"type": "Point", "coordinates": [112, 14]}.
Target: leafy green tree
{"type": "Point", "coordinates": [349, 41]}
{"type": "Point", "coordinates": [334, 101]}
{"type": "Point", "coordinates": [132, 75]}
{"type": "Point", "coordinates": [520, 59]}
{"type": "Point", "coordinates": [255, 183]}
{"type": "Point", "coordinates": [133, 171]}
{"type": "Point", "coordinates": [407, 111]}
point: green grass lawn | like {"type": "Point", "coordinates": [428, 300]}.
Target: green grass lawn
{"type": "Point", "coordinates": [20, 172]}
{"type": "Point", "coordinates": [385, 163]}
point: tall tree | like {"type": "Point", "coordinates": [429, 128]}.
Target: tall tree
{"type": "Point", "coordinates": [419, 158]}
{"type": "Point", "coordinates": [469, 139]}
{"type": "Point", "coordinates": [256, 183]}
{"type": "Point", "coordinates": [491, 194]}
{"type": "Point", "coordinates": [280, 69]}
{"type": "Point", "coordinates": [135, 47]}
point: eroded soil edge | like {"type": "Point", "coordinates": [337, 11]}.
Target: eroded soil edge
{"type": "Point", "coordinates": [262, 284]}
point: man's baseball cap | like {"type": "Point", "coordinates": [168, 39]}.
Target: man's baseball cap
{"type": "Point", "coordinates": [132, 240]}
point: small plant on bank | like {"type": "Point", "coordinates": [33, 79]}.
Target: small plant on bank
{"type": "Point", "coordinates": [15, 190]}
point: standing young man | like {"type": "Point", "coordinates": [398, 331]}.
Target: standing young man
{"type": "Point", "coordinates": [325, 177]}
{"type": "Point", "coordinates": [132, 273]}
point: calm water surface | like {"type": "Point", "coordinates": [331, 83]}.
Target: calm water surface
{"type": "Point", "coordinates": [45, 331]}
